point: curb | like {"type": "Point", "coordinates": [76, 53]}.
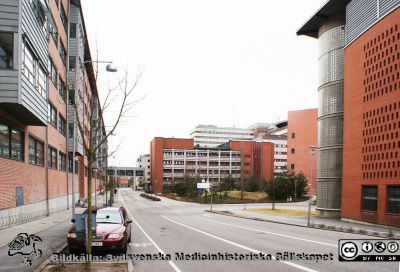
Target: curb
{"type": "Point", "coordinates": [316, 226]}
{"type": "Point", "coordinates": [47, 261]}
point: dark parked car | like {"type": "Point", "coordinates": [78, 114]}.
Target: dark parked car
{"type": "Point", "coordinates": [113, 232]}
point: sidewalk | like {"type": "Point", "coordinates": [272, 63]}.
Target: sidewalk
{"type": "Point", "coordinates": [53, 232]}
{"type": "Point", "coordinates": [316, 222]}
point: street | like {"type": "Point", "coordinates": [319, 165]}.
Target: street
{"type": "Point", "coordinates": [172, 227]}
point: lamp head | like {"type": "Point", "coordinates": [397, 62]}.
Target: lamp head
{"type": "Point", "coordinates": [111, 68]}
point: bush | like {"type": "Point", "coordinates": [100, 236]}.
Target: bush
{"type": "Point", "coordinates": [150, 197]}
{"type": "Point", "coordinates": [287, 184]}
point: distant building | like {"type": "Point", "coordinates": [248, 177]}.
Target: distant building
{"type": "Point", "coordinates": [213, 136]}
{"type": "Point", "coordinates": [302, 134]}
{"type": "Point", "coordinates": [123, 177]}
{"type": "Point", "coordinates": [143, 162]}
{"type": "Point", "coordinates": [280, 150]}
{"type": "Point", "coordinates": [172, 159]}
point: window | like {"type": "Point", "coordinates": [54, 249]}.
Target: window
{"type": "Point", "coordinates": [11, 143]}
{"type": "Point", "coordinates": [72, 30]}
{"type": "Point", "coordinates": [393, 193]}
{"type": "Point", "coordinates": [6, 50]}
{"type": "Point", "coordinates": [62, 88]}
{"type": "Point", "coordinates": [76, 167]}
{"type": "Point", "coordinates": [70, 130]}
{"type": "Point", "coordinates": [36, 151]}
{"type": "Point", "coordinates": [42, 81]}
{"type": "Point", "coordinates": [63, 17]}
{"type": "Point", "coordinates": [53, 73]}
{"type": "Point", "coordinates": [72, 63]}
{"type": "Point", "coordinates": [293, 135]}
{"type": "Point", "coordinates": [33, 71]}
{"type": "Point", "coordinates": [30, 64]}
{"type": "Point", "coordinates": [62, 124]}
{"type": "Point", "coordinates": [63, 162]}
{"type": "Point", "coordinates": [53, 31]}
{"type": "Point", "coordinates": [369, 198]}
{"type": "Point", "coordinates": [52, 158]}
{"type": "Point", "coordinates": [121, 172]}
{"type": "Point", "coordinates": [293, 151]}
{"type": "Point", "coordinates": [70, 166]}
{"type": "Point", "coordinates": [129, 173]}
{"type": "Point", "coordinates": [292, 166]}
{"type": "Point", "coordinates": [39, 8]}
{"type": "Point", "coordinates": [52, 115]}
{"type": "Point", "coordinates": [63, 52]}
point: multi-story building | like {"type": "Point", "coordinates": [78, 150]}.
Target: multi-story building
{"type": "Point", "coordinates": [213, 136]}
{"type": "Point", "coordinates": [359, 109]}
{"type": "Point", "coordinates": [302, 135]}
{"type": "Point", "coordinates": [280, 150]}
{"type": "Point", "coordinates": [172, 159]}
{"type": "Point", "coordinates": [36, 161]}
{"type": "Point", "coordinates": [124, 177]}
{"type": "Point", "coordinates": [144, 162]}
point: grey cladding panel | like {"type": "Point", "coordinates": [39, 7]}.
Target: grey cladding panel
{"type": "Point", "coordinates": [362, 14]}
{"type": "Point", "coordinates": [8, 86]}
{"type": "Point", "coordinates": [9, 15]}
{"type": "Point", "coordinates": [386, 6]}
{"type": "Point", "coordinates": [34, 33]}
{"type": "Point", "coordinates": [32, 100]}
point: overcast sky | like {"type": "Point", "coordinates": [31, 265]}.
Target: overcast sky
{"type": "Point", "coordinates": [219, 62]}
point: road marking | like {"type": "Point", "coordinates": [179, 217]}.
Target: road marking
{"type": "Point", "coordinates": [239, 245]}
{"type": "Point", "coordinates": [272, 233]}
{"type": "Point", "coordinates": [171, 263]}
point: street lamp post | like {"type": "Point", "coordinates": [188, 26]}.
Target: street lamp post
{"type": "Point", "coordinates": [312, 151]}
{"type": "Point", "coordinates": [109, 68]}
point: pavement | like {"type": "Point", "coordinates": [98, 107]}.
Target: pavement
{"type": "Point", "coordinates": [178, 229]}
{"type": "Point", "coordinates": [51, 229]}
{"type": "Point", "coordinates": [335, 224]}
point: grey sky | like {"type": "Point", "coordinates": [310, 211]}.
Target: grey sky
{"type": "Point", "coordinates": [221, 62]}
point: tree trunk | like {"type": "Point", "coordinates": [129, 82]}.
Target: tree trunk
{"type": "Point", "coordinates": [89, 192]}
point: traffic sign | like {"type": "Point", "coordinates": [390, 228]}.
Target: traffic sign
{"type": "Point", "coordinates": [203, 185]}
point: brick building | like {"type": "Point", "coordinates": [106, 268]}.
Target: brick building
{"type": "Point", "coordinates": [36, 125]}
{"type": "Point", "coordinates": [302, 134]}
{"type": "Point", "coordinates": [171, 159]}
{"type": "Point", "coordinates": [359, 47]}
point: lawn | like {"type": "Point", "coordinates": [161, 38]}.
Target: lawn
{"type": "Point", "coordinates": [287, 212]}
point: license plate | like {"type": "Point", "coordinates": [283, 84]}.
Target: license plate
{"type": "Point", "coordinates": [97, 243]}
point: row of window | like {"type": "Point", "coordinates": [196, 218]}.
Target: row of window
{"type": "Point", "coordinates": [12, 147]}
{"type": "Point", "coordinates": [370, 199]}
{"type": "Point", "coordinates": [61, 125]}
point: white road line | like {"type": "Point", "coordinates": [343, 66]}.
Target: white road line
{"type": "Point", "coordinates": [240, 245]}
{"type": "Point", "coordinates": [171, 263]}
{"type": "Point", "coordinates": [268, 232]}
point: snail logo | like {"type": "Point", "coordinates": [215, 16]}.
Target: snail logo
{"type": "Point", "coordinates": [25, 245]}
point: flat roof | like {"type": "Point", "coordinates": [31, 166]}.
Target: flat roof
{"type": "Point", "coordinates": [311, 27]}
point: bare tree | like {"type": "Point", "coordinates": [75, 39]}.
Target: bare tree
{"type": "Point", "coordinates": [93, 132]}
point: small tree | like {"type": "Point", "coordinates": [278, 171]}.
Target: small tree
{"type": "Point", "coordinates": [229, 183]}
{"type": "Point", "coordinates": [285, 184]}
{"type": "Point", "coordinates": [90, 127]}
{"type": "Point", "coordinates": [253, 184]}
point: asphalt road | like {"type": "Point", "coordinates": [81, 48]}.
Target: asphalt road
{"type": "Point", "coordinates": [172, 227]}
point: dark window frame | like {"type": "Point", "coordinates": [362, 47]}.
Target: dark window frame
{"type": "Point", "coordinates": [392, 197]}
{"type": "Point", "coordinates": [21, 151]}
{"type": "Point", "coordinates": [369, 200]}
{"type": "Point", "coordinates": [62, 161]}
{"type": "Point", "coordinates": [8, 60]}
{"type": "Point", "coordinates": [62, 125]}
{"type": "Point", "coordinates": [52, 115]}
{"type": "Point", "coordinates": [52, 160]}
{"type": "Point", "coordinates": [38, 158]}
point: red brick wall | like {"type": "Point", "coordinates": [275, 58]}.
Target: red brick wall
{"type": "Point", "coordinates": [247, 150]}
{"type": "Point", "coordinates": [304, 124]}
{"type": "Point", "coordinates": [156, 158]}
{"type": "Point", "coordinates": [371, 122]}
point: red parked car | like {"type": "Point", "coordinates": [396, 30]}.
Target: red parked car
{"type": "Point", "coordinates": [113, 232]}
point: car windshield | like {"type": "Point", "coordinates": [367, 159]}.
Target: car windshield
{"type": "Point", "coordinates": [108, 217]}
